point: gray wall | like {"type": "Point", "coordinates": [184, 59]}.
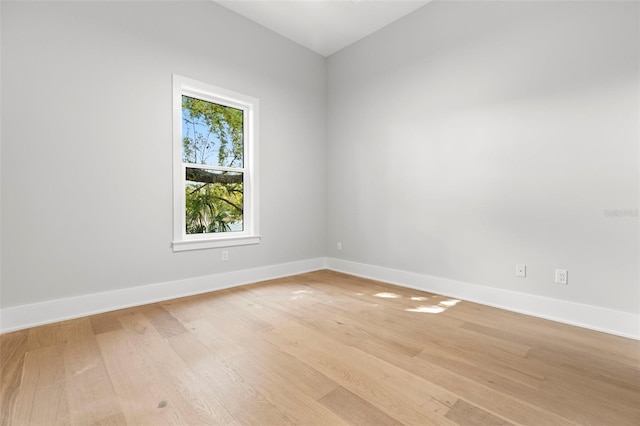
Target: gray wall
{"type": "Point", "coordinates": [86, 142]}
{"type": "Point", "coordinates": [468, 137]}
{"type": "Point", "coordinates": [458, 141]}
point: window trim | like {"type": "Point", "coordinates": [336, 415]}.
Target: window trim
{"type": "Point", "coordinates": [207, 92]}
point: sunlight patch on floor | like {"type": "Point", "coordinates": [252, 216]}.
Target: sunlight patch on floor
{"type": "Point", "coordinates": [435, 308]}
{"type": "Point", "coordinates": [387, 295]}
{"type": "Point", "coordinates": [427, 309]}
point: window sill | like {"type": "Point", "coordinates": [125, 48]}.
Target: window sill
{"type": "Point", "coordinates": [200, 244]}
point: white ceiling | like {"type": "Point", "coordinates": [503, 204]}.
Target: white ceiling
{"type": "Point", "coordinates": [324, 26]}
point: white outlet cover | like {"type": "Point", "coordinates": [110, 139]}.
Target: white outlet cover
{"type": "Point", "coordinates": [521, 270]}
{"type": "Point", "coordinates": [561, 276]}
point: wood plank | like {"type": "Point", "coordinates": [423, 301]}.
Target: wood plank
{"type": "Point", "coordinates": [42, 396]}
{"type": "Point", "coordinates": [356, 410]}
{"type": "Point", "coordinates": [13, 347]}
{"type": "Point", "coordinates": [596, 390]}
{"type": "Point", "coordinates": [45, 336]}
{"type": "Point", "coordinates": [144, 394]}
{"type": "Point", "coordinates": [91, 396]}
{"type": "Point", "coordinates": [230, 339]}
{"type": "Point", "coordinates": [307, 379]}
{"type": "Point", "coordinates": [563, 407]}
{"type": "Point", "coordinates": [507, 371]}
{"type": "Point", "coordinates": [400, 394]}
{"type": "Point", "coordinates": [104, 323]}
{"type": "Point", "coordinates": [182, 390]}
{"type": "Point", "coordinates": [468, 414]}
{"type": "Point", "coordinates": [299, 407]}
{"type": "Point", "coordinates": [474, 392]}
{"type": "Point", "coordinates": [226, 384]}
{"type": "Point", "coordinates": [140, 392]}
{"type": "Point", "coordinates": [592, 365]}
{"type": "Point", "coordinates": [220, 346]}
{"type": "Point", "coordinates": [162, 320]}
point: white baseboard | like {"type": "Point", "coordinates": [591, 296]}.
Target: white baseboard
{"type": "Point", "coordinates": [592, 317]}
{"type": "Point", "coordinates": [24, 316]}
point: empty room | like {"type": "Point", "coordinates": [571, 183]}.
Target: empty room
{"type": "Point", "coordinates": [331, 212]}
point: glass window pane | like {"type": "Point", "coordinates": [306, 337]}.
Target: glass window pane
{"type": "Point", "coordinates": [213, 201]}
{"type": "Point", "coordinates": [212, 134]}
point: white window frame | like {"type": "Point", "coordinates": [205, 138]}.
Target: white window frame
{"type": "Point", "coordinates": [249, 105]}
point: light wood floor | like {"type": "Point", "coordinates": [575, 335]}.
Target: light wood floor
{"type": "Point", "coordinates": [318, 348]}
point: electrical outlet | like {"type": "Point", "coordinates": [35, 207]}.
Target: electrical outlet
{"type": "Point", "coordinates": [521, 270]}
{"type": "Point", "coordinates": [561, 276]}
{"type": "Point", "coordinates": [225, 256]}
{"type": "Point", "coordinates": [339, 246]}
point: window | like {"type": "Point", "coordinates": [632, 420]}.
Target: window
{"type": "Point", "coordinates": [215, 190]}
